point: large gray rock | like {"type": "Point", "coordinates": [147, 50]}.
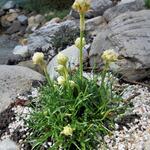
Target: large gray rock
{"type": "Point", "coordinates": [129, 35]}
{"type": "Point", "coordinates": [72, 53]}
{"type": "Point", "coordinates": [15, 80]}
{"type": "Point", "coordinates": [122, 7]}
{"type": "Point", "coordinates": [9, 5]}
{"type": "Point", "coordinates": [47, 36]}
{"type": "Point", "coordinates": [97, 8]}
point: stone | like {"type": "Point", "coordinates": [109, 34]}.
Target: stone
{"type": "Point", "coordinates": [45, 37]}
{"type": "Point", "coordinates": [34, 22]}
{"type": "Point", "coordinates": [97, 8]}
{"type": "Point", "coordinates": [129, 35]}
{"type": "Point", "coordinates": [4, 22]}
{"type": "Point", "coordinates": [8, 144]}
{"type": "Point", "coordinates": [72, 53]}
{"type": "Point", "coordinates": [23, 19]}
{"type": "Point", "coordinates": [15, 27]}
{"type": "Point", "coordinates": [122, 7]}
{"type": "Point", "coordinates": [6, 48]}
{"type": "Point", "coordinates": [11, 17]}
{"type": "Point", "coordinates": [9, 5]}
{"type": "Point", "coordinates": [2, 12]}
{"type": "Point", "coordinates": [55, 20]}
{"type": "Point", "coordinates": [15, 80]}
{"type": "Point", "coordinates": [21, 50]}
{"type": "Point", "coordinates": [94, 25]}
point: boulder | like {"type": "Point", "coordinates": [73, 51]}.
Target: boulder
{"type": "Point", "coordinates": [122, 7]}
{"type": "Point", "coordinates": [97, 8]}
{"type": "Point", "coordinates": [72, 53]}
{"type": "Point", "coordinates": [15, 80]}
{"type": "Point", "coordinates": [23, 19]}
{"type": "Point", "coordinates": [129, 35]}
{"type": "Point", "coordinates": [94, 25]}
{"type": "Point", "coordinates": [49, 35]}
{"type": "Point", "coordinates": [15, 27]}
{"type": "Point", "coordinates": [9, 5]}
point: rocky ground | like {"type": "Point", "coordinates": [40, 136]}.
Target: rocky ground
{"type": "Point", "coordinates": [121, 25]}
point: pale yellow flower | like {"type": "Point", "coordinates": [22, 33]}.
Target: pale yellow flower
{"type": "Point", "coordinates": [61, 80]}
{"type": "Point", "coordinates": [38, 58]}
{"type": "Point", "coordinates": [78, 42]}
{"type": "Point", "coordinates": [62, 59]}
{"type": "Point", "coordinates": [60, 69]}
{"type": "Point", "coordinates": [109, 56]}
{"type": "Point", "coordinates": [81, 6]}
{"type": "Point", "coordinates": [72, 83]}
{"type": "Point", "coordinates": [68, 131]}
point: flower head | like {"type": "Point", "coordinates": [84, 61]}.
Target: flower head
{"type": "Point", "coordinates": [78, 42]}
{"type": "Point", "coordinates": [61, 80]}
{"type": "Point", "coordinates": [72, 83]}
{"type": "Point", "coordinates": [62, 59]}
{"type": "Point", "coordinates": [67, 130]}
{"type": "Point", "coordinates": [109, 56]}
{"type": "Point", "coordinates": [81, 6]}
{"type": "Point", "coordinates": [38, 58]}
{"type": "Point", "coordinates": [60, 69]}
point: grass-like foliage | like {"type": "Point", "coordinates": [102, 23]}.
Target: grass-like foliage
{"type": "Point", "coordinates": [88, 108]}
{"type": "Point", "coordinates": [147, 3]}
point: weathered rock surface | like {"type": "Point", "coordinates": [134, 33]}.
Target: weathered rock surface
{"type": "Point", "coordinates": [6, 49]}
{"type": "Point", "coordinates": [23, 19]}
{"type": "Point", "coordinates": [9, 5]}
{"type": "Point", "coordinates": [129, 35]}
{"type": "Point", "coordinates": [15, 27]}
{"type": "Point", "coordinates": [15, 80]}
{"type": "Point", "coordinates": [43, 38]}
{"type": "Point", "coordinates": [8, 144]}
{"type": "Point", "coordinates": [97, 8]}
{"type": "Point", "coordinates": [94, 25]}
{"type": "Point", "coordinates": [122, 7]}
{"type": "Point", "coordinates": [72, 53]}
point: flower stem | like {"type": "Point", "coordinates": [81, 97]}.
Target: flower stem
{"type": "Point", "coordinates": [82, 28]}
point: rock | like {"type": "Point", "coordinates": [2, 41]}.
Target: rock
{"type": "Point", "coordinates": [8, 144]}
{"type": "Point", "coordinates": [15, 27]}
{"type": "Point", "coordinates": [47, 36]}
{"type": "Point", "coordinates": [55, 20]}
{"type": "Point", "coordinates": [9, 5]}
{"type": "Point", "coordinates": [11, 17]}
{"type": "Point", "coordinates": [4, 22]}
{"type": "Point", "coordinates": [2, 12]}
{"type": "Point", "coordinates": [15, 80]}
{"type": "Point", "coordinates": [34, 22]}
{"type": "Point", "coordinates": [6, 49]}
{"type": "Point", "coordinates": [72, 53]}
{"type": "Point", "coordinates": [97, 8]}
{"type": "Point", "coordinates": [21, 50]}
{"type": "Point", "coordinates": [93, 26]}
{"type": "Point", "coordinates": [23, 19]}
{"type": "Point", "coordinates": [122, 7]}
{"type": "Point", "coordinates": [129, 35]}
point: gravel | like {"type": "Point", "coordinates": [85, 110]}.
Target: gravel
{"type": "Point", "coordinates": [132, 132]}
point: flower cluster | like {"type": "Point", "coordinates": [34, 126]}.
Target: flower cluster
{"type": "Point", "coordinates": [67, 130]}
{"type": "Point", "coordinates": [63, 70]}
{"type": "Point", "coordinates": [109, 56]}
{"type": "Point", "coordinates": [82, 6]}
